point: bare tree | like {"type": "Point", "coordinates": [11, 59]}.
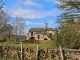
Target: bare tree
{"type": "Point", "coordinates": [6, 31]}
{"type": "Point", "coordinates": [2, 3]}
{"type": "Point", "coordinates": [18, 27]}
{"type": "Point", "coordinates": [4, 19]}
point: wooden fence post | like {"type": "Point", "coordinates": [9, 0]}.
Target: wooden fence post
{"type": "Point", "coordinates": [37, 53]}
{"type": "Point", "coordinates": [61, 52]}
{"type": "Point", "coordinates": [21, 51]}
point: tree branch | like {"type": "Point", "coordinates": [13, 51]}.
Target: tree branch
{"type": "Point", "coordinates": [2, 3]}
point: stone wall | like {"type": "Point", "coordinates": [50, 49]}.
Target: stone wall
{"type": "Point", "coordinates": [43, 54]}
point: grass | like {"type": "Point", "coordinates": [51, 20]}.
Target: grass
{"type": "Point", "coordinates": [10, 43]}
{"type": "Point", "coordinates": [40, 45]}
{"type": "Point", "coordinates": [1, 58]}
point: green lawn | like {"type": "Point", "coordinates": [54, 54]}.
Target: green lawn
{"type": "Point", "coordinates": [1, 58]}
{"type": "Point", "coordinates": [26, 44]}
{"type": "Point", "coordinates": [40, 45]}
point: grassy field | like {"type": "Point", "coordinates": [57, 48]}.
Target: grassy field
{"type": "Point", "coordinates": [26, 44]}
{"type": "Point", "coordinates": [1, 58]}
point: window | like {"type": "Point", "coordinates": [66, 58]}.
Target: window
{"type": "Point", "coordinates": [50, 35]}
{"type": "Point", "coordinates": [31, 33]}
{"type": "Point", "coordinates": [38, 36]}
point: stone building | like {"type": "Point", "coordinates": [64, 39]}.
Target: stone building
{"type": "Point", "coordinates": [40, 33]}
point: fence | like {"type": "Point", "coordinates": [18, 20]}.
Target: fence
{"type": "Point", "coordinates": [26, 53]}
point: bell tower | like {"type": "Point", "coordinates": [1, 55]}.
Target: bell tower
{"type": "Point", "coordinates": [46, 25]}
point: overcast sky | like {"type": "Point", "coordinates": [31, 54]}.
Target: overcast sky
{"type": "Point", "coordinates": [35, 12]}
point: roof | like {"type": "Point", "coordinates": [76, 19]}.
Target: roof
{"type": "Point", "coordinates": [40, 29]}
{"type": "Point", "coordinates": [38, 33]}
{"type": "Point", "coordinates": [49, 29]}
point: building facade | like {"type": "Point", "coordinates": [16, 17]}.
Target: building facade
{"type": "Point", "coordinates": [40, 33]}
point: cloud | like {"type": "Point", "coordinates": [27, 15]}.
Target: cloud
{"type": "Point", "coordinates": [54, 1]}
{"type": "Point", "coordinates": [52, 22]}
{"type": "Point", "coordinates": [30, 3]}
{"type": "Point", "coordinates": [33, 14]}
{"type": "Point", "coordinates": [33, 23]}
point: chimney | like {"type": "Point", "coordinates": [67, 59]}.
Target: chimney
{"type": "Point", "coordinates": [46, 25]}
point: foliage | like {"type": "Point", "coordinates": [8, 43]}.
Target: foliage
{"type": "Point", "coordinates": [68, 33]}
{"type": "Point", "coordinates": [72, 7]}
{"type": "Point", "coordinates": [69, 5]}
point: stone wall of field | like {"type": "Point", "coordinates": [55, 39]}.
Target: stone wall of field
{"type": "Point", "coordinates": [38, 54]}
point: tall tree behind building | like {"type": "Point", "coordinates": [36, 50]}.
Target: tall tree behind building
{"type": "Point", "coordinates": [68, 33]}
{"type": "Point", "coordinates": [18, 27]}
